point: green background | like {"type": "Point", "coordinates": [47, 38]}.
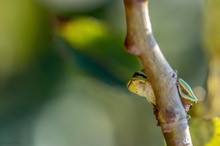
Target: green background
{"type": "Point", "coordinates": [63, 70]}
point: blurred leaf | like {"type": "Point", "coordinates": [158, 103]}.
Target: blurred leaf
{"type": "Point", "coordinates": [215, 140]}
{"type": "Point", "coordinates": [211, 38]}
{"type": "Point", "coordinates": [205, 131]}
{"type": "Point", "coordinates": [24, 34]}
{"type": "Point", "coordinates": [212, 27]}
{"type": "Point", "coordinates": [82, 32]}
{"type": "Point", "coordinates": [201, 131]}
{"type": "Point", "coordinates": [94, 38]}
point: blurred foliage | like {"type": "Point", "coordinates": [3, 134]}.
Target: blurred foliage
{"type": "Point", "coordinates": [201, 131]}
{"type": "Point", "coordinates": [211, 41]}
{"type": "Point", "coordinates": [208, 133]}
{"type": "Point", "coordinates": [63, 71]}
{"type": "Point", "coordinates": [96, 40]}
{"type": "Point", "coordinates": [24, 25]}
{"type": "Point", "coordinates": [211, 27]}
{"type": "Point", "coordinates": [216, 134]}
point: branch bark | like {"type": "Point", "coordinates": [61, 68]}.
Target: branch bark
{"type": "Point", "coordinates": [140, 41]}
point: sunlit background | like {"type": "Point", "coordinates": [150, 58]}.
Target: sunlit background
{"type": "Point", "coordinates": [63, 70]}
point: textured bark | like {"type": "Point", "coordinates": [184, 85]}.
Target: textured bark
{"type": "Point", "coordinates": [140, 41]}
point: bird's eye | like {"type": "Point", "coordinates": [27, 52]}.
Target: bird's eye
{"type": "Point", "coordinates": [190, 106]}
{"type": "Point", "coordinates": [139, 74]}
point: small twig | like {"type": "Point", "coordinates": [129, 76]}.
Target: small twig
{"type": "Point", "coordinates": [140, 41]}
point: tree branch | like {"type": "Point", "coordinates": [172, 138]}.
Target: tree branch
{"type": "Point", "coordinates": [140, 41]}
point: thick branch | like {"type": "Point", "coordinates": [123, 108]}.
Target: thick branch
{"type": "Point", "coordinates": [140, 42]}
